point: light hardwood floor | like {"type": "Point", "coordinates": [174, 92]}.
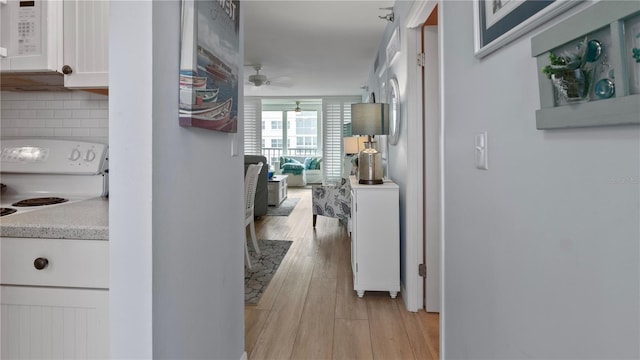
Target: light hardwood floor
{"type": "Point", "coordinates": [310, 310]}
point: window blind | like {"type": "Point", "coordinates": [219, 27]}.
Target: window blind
{"type": "Point", "coordinates": [332, 140]}
{"type": "Point", "coordinates": [252, 126]}
{"type": "Point", "coordinates": [336, 113]}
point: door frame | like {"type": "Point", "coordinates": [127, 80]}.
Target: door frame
{"type": "Point", "coordinates": [414, 283]}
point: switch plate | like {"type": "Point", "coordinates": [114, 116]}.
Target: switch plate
{"type": "Point", "coordinates": [234, 145]}
{"type": "Point", "coordinates": [481, 147]}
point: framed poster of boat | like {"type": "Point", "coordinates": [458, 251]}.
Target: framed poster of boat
{"type": "Point", "coordinates": [209, 58]}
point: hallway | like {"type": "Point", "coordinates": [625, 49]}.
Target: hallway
{"type": "Point", "coordinates": [310, 311]}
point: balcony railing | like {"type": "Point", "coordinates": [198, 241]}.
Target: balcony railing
{"type": "Point", "coordinates": [272, 154]}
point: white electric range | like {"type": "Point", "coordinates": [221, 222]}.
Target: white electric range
{"type": "Point", "coordinates": [41, 173]}
{"type": "Point", "coordinates": [50, 260]}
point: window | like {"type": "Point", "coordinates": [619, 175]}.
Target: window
{"type": "Point", "coordinates": [317, 130]}
{"type": "Point", "coordinates": [276, 143]}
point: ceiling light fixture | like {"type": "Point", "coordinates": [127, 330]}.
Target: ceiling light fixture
{"type": "Point", "coordinates": [297, 109]}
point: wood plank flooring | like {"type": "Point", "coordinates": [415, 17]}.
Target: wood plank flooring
{"type": "Point", "coordinates": [310, 311]}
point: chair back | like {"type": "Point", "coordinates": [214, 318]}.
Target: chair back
{"type": "Point", "coordinates": [250, 185]}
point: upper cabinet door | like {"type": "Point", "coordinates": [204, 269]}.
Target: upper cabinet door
{"type": "Point", "coordinates": [86, 44]}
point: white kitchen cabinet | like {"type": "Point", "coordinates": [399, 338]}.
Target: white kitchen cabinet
{"type": "Point", "coordinates": [58, 307]}
{"type": "Point", "coordinates": [54, 323]}
{"type": "Point", "coordinates": [375, 237]}
{"type": "Point", "coordinates": [86, 44]}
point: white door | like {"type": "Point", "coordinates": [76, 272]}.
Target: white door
{"type": "Point", "coordinates": [432, 171]}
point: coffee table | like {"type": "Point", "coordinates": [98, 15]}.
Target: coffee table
{"type": "Point", "coordinates": [277, 190]}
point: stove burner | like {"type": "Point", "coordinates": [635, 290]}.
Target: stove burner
{"type": "Point", "coordinates": [39, 201]}
{"type": "Point", "coordinates": [7, 211]}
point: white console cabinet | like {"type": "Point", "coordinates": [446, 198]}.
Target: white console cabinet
{"type": "Point", "coordinates": [375, 237]}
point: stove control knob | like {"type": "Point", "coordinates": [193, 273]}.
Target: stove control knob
{"type": "Point", "coordinates": [75, 155]}
{"type": "Point", "coordinates": [90, 155]}
{"type": "Point", "coordinates": [40, 263]}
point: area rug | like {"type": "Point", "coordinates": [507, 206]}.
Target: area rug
{"type": "Point", "coordinates": [285, 208]}
{"type": "Point", "coordinates": [263, 268]}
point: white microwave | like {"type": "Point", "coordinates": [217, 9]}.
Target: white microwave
{"type": "Point", "coordinates": [31, 35]}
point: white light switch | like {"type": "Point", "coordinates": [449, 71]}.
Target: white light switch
{"type": "Point", "coordinates": [481, 151]}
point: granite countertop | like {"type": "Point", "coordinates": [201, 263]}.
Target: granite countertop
{"type": "Point", "coordinates": [88, 219]}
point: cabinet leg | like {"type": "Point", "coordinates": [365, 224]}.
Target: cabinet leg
{"type": "Point", "coordinates": [315, 217]}
{"type": "Point", "coordinates": [393, 294]}
{"type": "Point", "coordinates": [360, 293]}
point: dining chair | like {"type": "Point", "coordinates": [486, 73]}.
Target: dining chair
{"type": "Point", "coordinates": [250, 185]}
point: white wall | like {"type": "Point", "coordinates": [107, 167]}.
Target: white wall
{"type": "Point", "coordinates": [74, 115]}
{"type": "Point", "coordinates": [542, 250]}
{"type": "Point", "coordinates": [176, 220]}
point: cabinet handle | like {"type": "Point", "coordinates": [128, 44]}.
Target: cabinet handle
{"type": "Point", "coordinates": [67, 70]}
{"type": "Point", "coordinates": [40, 263]}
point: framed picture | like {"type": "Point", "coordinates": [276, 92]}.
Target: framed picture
{"type": "Point", "coordinates": [393, 47]}
{"type": "Point", "coordinates": [209, 58]}
{"type": "Point", "coordinates": [499, 22]}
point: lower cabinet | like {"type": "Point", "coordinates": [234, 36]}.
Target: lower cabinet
{"type": "Point", "coordinates": [54, 323]}
{"type": "Point", "coordinates": [375, 237]}
{"type": "Point", "coordinates": [54, 299]}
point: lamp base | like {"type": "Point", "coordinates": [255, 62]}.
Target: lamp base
{"type": "Point", "coordinates": [370, 166]}
{"type": "Point", "coordinates": [371, 182]}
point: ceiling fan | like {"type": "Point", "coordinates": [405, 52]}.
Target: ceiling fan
{"type": "Point", "coordinates": [258, 79]}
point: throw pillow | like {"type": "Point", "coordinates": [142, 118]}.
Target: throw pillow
{"type": "Point", "coordinates": [288, 160]}
{"type": "Point", "coordinates": [317, 164]}
{"type": "Point", "coordinates": [307, 163]}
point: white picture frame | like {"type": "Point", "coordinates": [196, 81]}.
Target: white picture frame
{"type": "Point", "coordinates": [499, 22]}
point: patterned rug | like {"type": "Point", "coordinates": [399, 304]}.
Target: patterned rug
{"type": "Point", "coordinates": [285, 208]}
{"type": "Point", "coordinates": [263, 268]}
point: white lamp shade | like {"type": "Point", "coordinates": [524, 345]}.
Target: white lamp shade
{"type": "Point", "coordinates": [370, 119]}
{"type": "Point", "coordinates": [351, 145]}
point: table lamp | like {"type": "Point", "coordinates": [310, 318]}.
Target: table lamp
{"type": "Point", "coordinates": [370, 119]}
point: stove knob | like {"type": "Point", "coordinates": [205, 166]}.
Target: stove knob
{"type": "Point", "coordinates": [75, 155]}
{"type": "Point", "coordinates": [90, 156]}
{"type": "Point", "coordinates": [40, 263]}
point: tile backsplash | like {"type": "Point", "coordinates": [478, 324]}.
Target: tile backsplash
{"type": "Point", "coordinates": [77, 115]}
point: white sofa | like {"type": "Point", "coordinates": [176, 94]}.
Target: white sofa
{"type": "Point", "coordinates": [306, 175]}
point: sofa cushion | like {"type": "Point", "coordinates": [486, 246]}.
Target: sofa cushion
{"type": "Point", "coordinates": [292, 168]}
{"type": "Point", "coordinates": [261, 203]}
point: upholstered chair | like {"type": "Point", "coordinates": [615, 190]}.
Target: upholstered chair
{"type": "Point", "coordinates": [333, 200]}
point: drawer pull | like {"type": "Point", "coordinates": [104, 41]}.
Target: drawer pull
{"type": "Point", "coordinates": [40, 263]}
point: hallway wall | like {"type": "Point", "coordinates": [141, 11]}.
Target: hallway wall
{"type": "Point", "coordinates": [542, 250]}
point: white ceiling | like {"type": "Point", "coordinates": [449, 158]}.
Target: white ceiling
{"type": "Point", "coordinates": [312, 47]}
